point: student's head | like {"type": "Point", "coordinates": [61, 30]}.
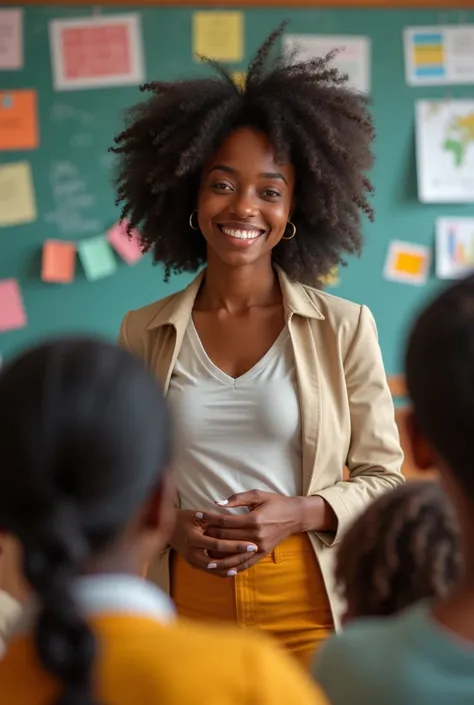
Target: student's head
{"type": "Point", "coordinates": [440, 379]}
{"type": "Point", "coordinates": [404, 548]}
{"type": "Point", "coordinates": [84, 446]}
{"type": "Point", "coordinates": [208, 170]}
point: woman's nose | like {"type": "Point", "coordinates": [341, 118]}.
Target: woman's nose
{"type": "Point", "coordinates": [244, 205]}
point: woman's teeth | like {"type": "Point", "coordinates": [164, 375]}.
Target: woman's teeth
{"type": "Point", "coordinates": [242, 234]}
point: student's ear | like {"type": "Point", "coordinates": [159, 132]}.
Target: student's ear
{"type": "Point", "coordinates": [422, 452]}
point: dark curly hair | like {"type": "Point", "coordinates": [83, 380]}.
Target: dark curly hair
{"type": "Point", "coordinates": [311, 118]}
{"type": "Point", "coordinates": [404, 548]}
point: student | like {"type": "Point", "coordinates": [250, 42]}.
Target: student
{"type": "Point", "coordinates": [405, 546]}
{"type": "Point", "coordinates": [275, 385]}
{"type": "Point", "coordinates": [84, 446]}
{"type": "Point", "coordinates": [425, 655]}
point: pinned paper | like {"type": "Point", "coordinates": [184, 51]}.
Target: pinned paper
{"type": "Point", "coordinates": [332, 279]}
{"type": "Point", "coordinates": [219, 35]}
{"type": "Point", "coordinates": [18, 120]}
{"type": "Point", "coordinates": [454, 247]}
{"type": "Point", "coordinates": [12, 311]}
{"type": "Point", "coordinates": [96, 257]}
{"type": "Point", "coordinates": [127, 247]}
{"type": "Point", "coordinates": [407, 263]}
{"type": "Point", "coordinates": [439, 55]}
{"type": "Point", "coordinates": [58, 263]}
{"type": "Point", "coordinates": [239, 78]}
{"type": "Point", "coordinates": [11, 38]}
{"type": "Point", "coordinates": [96, 52]}
{"type": "Point", "coordinates": [17, 198]}
{"type": "Point", "coordinates": [353, 57]}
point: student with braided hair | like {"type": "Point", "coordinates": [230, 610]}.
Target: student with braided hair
{"type": "Point", "coordinates": [404, 548]}
{"type": "Point", "coordinates": [275, 385]}
{"type": "Point", "coordinates": [84, 448]}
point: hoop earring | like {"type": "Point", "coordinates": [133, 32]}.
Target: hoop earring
{"type": "Point", "coordinates": [292, 225]}
{"type": "Point", "coordinates": [193, 227]}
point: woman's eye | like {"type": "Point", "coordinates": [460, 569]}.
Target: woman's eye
{"type": "Point", "coordinates": [271, 193]}
{"type": "Point", "coordinates": [221, 186]}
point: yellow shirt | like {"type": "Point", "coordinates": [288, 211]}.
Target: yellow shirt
{"type": "Point", "coordinates": [148, 658]}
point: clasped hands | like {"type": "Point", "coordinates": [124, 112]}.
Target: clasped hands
{"type": "Point", "coordinates": [226, 544]}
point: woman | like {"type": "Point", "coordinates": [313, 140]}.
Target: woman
{"type": "Point", "coordinates": [275, 385]}
{"type": "Point", "coordinates": [85, 449]}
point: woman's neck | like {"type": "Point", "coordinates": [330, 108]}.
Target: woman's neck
{"type": "Point", "coordinates": [237, 289]}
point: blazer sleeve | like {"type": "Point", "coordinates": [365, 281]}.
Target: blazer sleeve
{"type": "Point", "coordinates": [131, 336]}
{"type": "Point", "coordinates": [375, 456]}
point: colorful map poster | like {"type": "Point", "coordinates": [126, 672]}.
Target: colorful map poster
{"type": "Point", "coordinates": [445, 151]}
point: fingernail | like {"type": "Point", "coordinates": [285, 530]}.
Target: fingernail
{"type": "Point", "coordinates": [223, 502]}
{"type": "Point", "coordinates": [251, 548]}
{"type": "Point", "coordinates": [199, 515]}
{"type": "Point", "coordinates": [211, 566]}
{"type": "Point", "coordinates": [231, 573]}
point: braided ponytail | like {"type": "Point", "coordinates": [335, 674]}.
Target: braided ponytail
{"type": "Point", "coordinates": [85, 440]}
{"type": "Point", "coordinates": [64, 642]}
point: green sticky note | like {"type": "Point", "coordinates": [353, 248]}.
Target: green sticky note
{"type": "Point", "coordinates": [96, 257]}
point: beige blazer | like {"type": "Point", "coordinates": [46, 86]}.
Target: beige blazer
{"type": "Point", "coordinates": [346, 407]}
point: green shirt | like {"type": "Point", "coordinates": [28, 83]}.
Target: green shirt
{"type": "Point", "coordinates": [405, 660]}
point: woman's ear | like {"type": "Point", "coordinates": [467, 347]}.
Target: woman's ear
{"type": "Point", "coordinates": [423, 454]}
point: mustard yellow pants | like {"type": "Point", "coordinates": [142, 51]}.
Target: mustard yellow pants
{"type": "Point", "coordinates": [282, 595]}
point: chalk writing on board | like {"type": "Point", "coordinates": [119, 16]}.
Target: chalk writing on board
{"type": "Point", "coordinates": [61, 112]}
{"type": "Point", "coordinates": [71, 201]}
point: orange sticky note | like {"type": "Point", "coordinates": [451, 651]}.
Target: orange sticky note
{"type": "Point", "coordinates": [18, 120]}
{"type": "Point", "coordinates": [58, 264]}
{"type": "Point", "coordinates": [12, 311]}
{"type": "Point", "coordinates": [409, 263]}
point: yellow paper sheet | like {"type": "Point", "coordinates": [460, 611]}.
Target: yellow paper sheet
{"type": "Point", "coordinates": [17, 198]}
{"type": "Point", "coordinates": [239, 78]}
{"type": "Point", "coordinates": [219, 35]}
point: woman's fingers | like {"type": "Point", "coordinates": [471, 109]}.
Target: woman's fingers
{"type": "Point", "coordinates": [228, 566]}
{"type": "Point", "coordinates": [209, 543]}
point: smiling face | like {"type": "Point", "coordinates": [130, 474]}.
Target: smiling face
{"type": "Point", "coordinates": [245, 199]}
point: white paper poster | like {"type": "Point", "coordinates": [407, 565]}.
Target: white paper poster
{"type": "Point", "coordinates": [454, 247]}
{"type": "Point", "coordinates": [354, 56]}
{"type": "Point", "coordinates": [11, 38]}
{"type": "Point", "coordinates": [439, 55]}
{"type": "Point", "coordinates": [95, 52]}
{"type": "Point", "coordinates": [445, 151]}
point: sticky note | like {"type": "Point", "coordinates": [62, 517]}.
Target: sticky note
{"type": "Point", "coordinates": [17, 198]}
{"type": "Point", "coordinates": [239, 78]}
{"type": "Point", "coordinates": [18, 120]}
{"type": "Point", "coordinates": [11, 38]}
{"type": "Point", "coordinates": [58, 262]}
{"type": "Point", "coordinates": [332, 279]}
{"type": "Point", "coordinates": [407, 263]}
{"type": "Point", "coordinates": [219, 35]}
{"type": "Point", "coordinates": [12, 311]}
{"type": "Point", "coordinates": [127, 247]}
{"type": "Point", "coordinates": [96, 257]}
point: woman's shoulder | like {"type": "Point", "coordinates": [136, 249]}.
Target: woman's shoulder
{"type": "Point", "coordinates": [336, 310]}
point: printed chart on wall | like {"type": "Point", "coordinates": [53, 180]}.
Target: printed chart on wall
{"type": "Point", "coordinates": [454, 247]}
{"type": "Point", "coordinates": [439, 55]}
{"type": "Point", "coordinates": [445, 151]}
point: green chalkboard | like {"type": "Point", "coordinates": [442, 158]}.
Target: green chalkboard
{"type": "Point", "coordinates": [72, 176]}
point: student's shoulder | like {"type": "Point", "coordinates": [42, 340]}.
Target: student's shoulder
{"type": "Point", "coordinates": [243, 663]}
{"type": "Point", "coordinates": [367, 648]}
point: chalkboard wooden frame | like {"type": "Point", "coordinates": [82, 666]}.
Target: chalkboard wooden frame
{"type": "Point", "coordinates": [223, 4]}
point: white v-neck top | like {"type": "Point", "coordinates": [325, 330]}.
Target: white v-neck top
{"type": "Point", "coordinates": [234, 435]}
